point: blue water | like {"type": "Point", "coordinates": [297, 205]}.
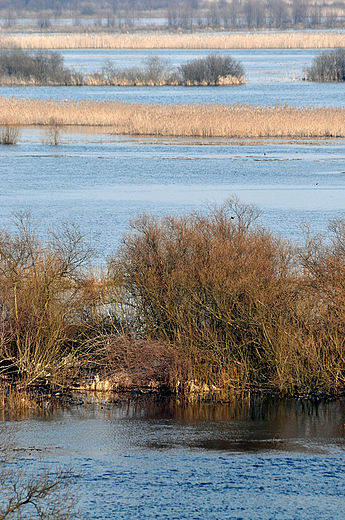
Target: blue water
{"type": "Point", "coordinates": [101, 182]}
{"type": "Point", "coordinates": [273, 76]}
{"type": "Point", "coordinates": [169, 460]}
{"type": "Point", "coordinates": [141, 460]}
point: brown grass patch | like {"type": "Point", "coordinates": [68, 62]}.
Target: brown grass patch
{"type": "Point", "coordinates": [264, 40]}
{"type": "Point", "coordinates": [210, 120]}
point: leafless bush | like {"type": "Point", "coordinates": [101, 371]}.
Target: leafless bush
{"type": "Point", "coordinates": [38, 492]}
{"type": "Point", "coordinates": [238, 303]}
{"type": "Point", "coordinates": [43, 303]}
{"type": "Point", "coordinates": [327, 66]}
{"type": "Point", "coordinates": [209, 70]}
{"type": "Point", "coordinates": [41, 67]}
{"type": "Point", "coordinates": [9, 133]}
{"type": "Point", "coordinates": [54, 131]}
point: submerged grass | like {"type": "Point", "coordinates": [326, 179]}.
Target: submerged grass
{"type": "Point", "coordinates": [208, 120]}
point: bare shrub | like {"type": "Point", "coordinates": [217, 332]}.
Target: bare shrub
{"type": "Point", "coordinates": [42, 309]}
{"type": "Point", "coordinates": [40, 67]}
{"type": "Point", "coordinates": [128, 362]}
{"type": "Point", "coordinates": [239, 304]}
{"type": "Point", "coordinates": [38, 492]}
{"type": "Point", "coordinates": [327, 66]}
{"type": "Point", "coordinates": [9, 133]}
{"type": "Point", "coordinates": [157, 70]}
{"type": "Point", "coordinates": [208, 285]}
{"type": "Point", "coordinates": [54, 131]}
{"type": "Point", "coordinates": [209, 70]}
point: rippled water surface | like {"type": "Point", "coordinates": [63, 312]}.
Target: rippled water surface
{"type": "Point", "coordinates": [142, 460]}
{"type": "Point", "coordinates": [101, 182]}
{"type": "Point", "coordinates": [168, 460]}
{"type": "Point", "coordinates": [273, 76]}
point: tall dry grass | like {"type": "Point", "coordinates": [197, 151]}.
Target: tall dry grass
{"type": "Point", "coordinates": [257, 40]}
{"type": "Point", "coordinates": [208, 120]}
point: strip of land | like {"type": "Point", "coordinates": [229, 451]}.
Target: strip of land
{"type": "Point", "coordinates": [210, 120]}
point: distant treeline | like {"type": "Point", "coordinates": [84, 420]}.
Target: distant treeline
{"type": "Point", "coordinates": [47, 68]}
{"type": "Point", "coordinates": [184, 14]}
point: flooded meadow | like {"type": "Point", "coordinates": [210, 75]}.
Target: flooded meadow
{"type": "Point", "coordinates": [144, 458]}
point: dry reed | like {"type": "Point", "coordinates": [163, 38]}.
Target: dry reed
{"type": "Point", "coordinates": [209, 120]}
{"type": "Point", "coordinates": [264, 40]}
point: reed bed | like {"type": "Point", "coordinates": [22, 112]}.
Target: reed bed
{"type": "Point", "coordinates": [264, 40]}
{"type": "Point", "coordinates": [179, 120]}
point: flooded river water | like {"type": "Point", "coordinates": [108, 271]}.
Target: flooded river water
{"type": "Point", "coordinates": [247, 460]}
{"type": "Point", "coordinates": [264, 460]}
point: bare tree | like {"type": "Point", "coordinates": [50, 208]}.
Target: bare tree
{"type": "Point", "coordinates": [38, 492]}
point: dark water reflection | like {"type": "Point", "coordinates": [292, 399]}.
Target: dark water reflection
{"type": "Point", "coordinates": [250, 459]}
{"type": "Point", "coordinates": [254, 426]}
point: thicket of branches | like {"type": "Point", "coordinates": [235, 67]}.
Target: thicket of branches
{"type": "Point", "coordinates": [209, 298]}
{"type": "Point", "coordinates": [41, 67]}
{"type": "Point", "coordinates": [327, 66]}
{"type": "Point", "coordinates": [210, 70]}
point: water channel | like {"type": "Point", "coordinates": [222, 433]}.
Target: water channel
{"type": "Point", "coordinates": [262, 459]}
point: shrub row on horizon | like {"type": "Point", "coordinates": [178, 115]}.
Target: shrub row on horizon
{"type": "Point", "coordinates": [18, 67]}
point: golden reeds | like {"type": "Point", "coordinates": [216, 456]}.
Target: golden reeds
{"type": "Point", "coordinates": [210, 120]}
{"type": "Point", "coordinates": [264, 40]}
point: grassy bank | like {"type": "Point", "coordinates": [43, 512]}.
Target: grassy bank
{"type": "Point", "coordinates": [200, 303]}
{"type": "Point", "coordinates": [154, 40]}
{"type": "Point", "coordinates": [188, 120]}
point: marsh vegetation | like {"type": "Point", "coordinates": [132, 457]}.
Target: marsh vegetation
{"type": "Point", "coordinates": [18, 67]}
{"type": "Point", "coordinates": [179, 120]}
{"type": "Point", "coordinates": [327, 66]}
{"type": "Point", "coordinates": [207, 302]}
{"type": "Point", "coordinates": [157, 40]}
